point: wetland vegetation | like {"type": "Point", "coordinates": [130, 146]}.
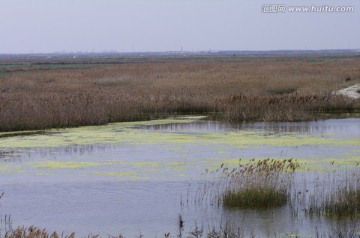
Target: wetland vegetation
{"type": "Point", "coordinates": [39, 93]}
{"type": "Point", "coordinates": [259, 184]}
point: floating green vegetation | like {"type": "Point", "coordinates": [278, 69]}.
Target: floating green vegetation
{"type": "Point", "coordinates": [177, 164]}
{"type": "Point", "coordinates": [131, 133]}
{"type": "Point", "coordinates": [64, 165]}
{"type": "Point", "coordinates": [20, 133]}
{"type": "Point", "coordinates": [5, 168]}
{"type": "Point", "coordinates": [125, 132]}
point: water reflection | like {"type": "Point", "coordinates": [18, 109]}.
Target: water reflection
{"type": "Point", "coordinates": [321, 127]}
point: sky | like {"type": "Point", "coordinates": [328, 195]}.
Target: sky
{"type": "Point", "coordinates": [55, 26]}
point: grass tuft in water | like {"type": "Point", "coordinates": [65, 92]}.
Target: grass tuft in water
{"type": "Point", "coordinates": [259, 184]}
{"type": "Point", "coordinates": [255, 198]}
{"type": "Point", "coordinates": [332, 194]}
{"type": "Point", "coordinates": [343, 203]}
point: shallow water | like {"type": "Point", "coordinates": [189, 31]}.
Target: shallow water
{"type": "Point", "coordinates": [136, 178]}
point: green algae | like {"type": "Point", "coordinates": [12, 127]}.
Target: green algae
{"type": "Point", "coordinates": [176, 164]}
{"type": "Point", "coordinates": [63, 165]}
{"type": "Point", "coordinates": [131, 133]}
{"type": "Point", "coordinates": [4, 168]}
{"type": "Point", "coordinates": [126, 132]}
{"type": "Point", "coordinates": [92, 135]}
{"type": "Point", "coordinates": [136, 133]}
{"type": "Point", "coordinates": [20, 133]}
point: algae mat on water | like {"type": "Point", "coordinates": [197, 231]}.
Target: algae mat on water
{"type": "Point", "coordinates": [124, 132]}
{"type": "Point", "coordinates": [179, 148]}
{"type": "Point", "coordinates": [131, 133]}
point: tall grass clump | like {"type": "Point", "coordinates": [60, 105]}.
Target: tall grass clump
{"type": "Point", "coordinates": [343, 198]}
{"type": "Point", "coordinates": [343, 203]}
{"type": "Point", "coordinates": [260, 184]}
{"type": "Point", "coordinates": [332, 194]}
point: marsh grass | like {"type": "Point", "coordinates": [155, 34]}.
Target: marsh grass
{"type": "Point", "coordinates": [330, 194]}
{"type": "Point", "coordinates": [255, 198]}
{"type": "Point", "coordinates": [344, 203]}
{"type": "Point", "coordinates": [342, 200]}
{"type": "Point", "coordinates": [280, 91]}
{"type": "Point", "coordinates": [259, 184]}
{"type": "Point", "coordinates": [334, 194]}
{"type": "Point", "coordinates": [35, 97]}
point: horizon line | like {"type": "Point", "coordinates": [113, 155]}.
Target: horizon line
{"type": "Point", "coordinates": [177, 52]}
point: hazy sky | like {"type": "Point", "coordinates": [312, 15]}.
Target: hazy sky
{"type": "Point", "coordinates": [44, 26]}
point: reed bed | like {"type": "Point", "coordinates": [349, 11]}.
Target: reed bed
{"type": "Point", "coordinates": [344, 203]}
{"type": "Point", "coordinates": [37, 96]}
{"type": "Point", "coordinates": [259, 184]}
{"type": "Point", "coordinates": [332, 194]}
{"type": "Point", "coordinates": [269, 183]}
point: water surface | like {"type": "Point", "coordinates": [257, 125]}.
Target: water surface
{"type": "Point", "coordinates": [136, 178]}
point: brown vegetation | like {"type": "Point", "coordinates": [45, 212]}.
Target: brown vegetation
{"type": "Point", "coordinates": [35, 97]}
{"type": "Point", "coordinates": [34, 232]}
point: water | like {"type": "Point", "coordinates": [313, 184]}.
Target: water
{"type": "Point", "coordinates": [136, 178]}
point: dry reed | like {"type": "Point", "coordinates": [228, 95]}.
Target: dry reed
{"type": "Point", "coordinates": [39, 96]}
